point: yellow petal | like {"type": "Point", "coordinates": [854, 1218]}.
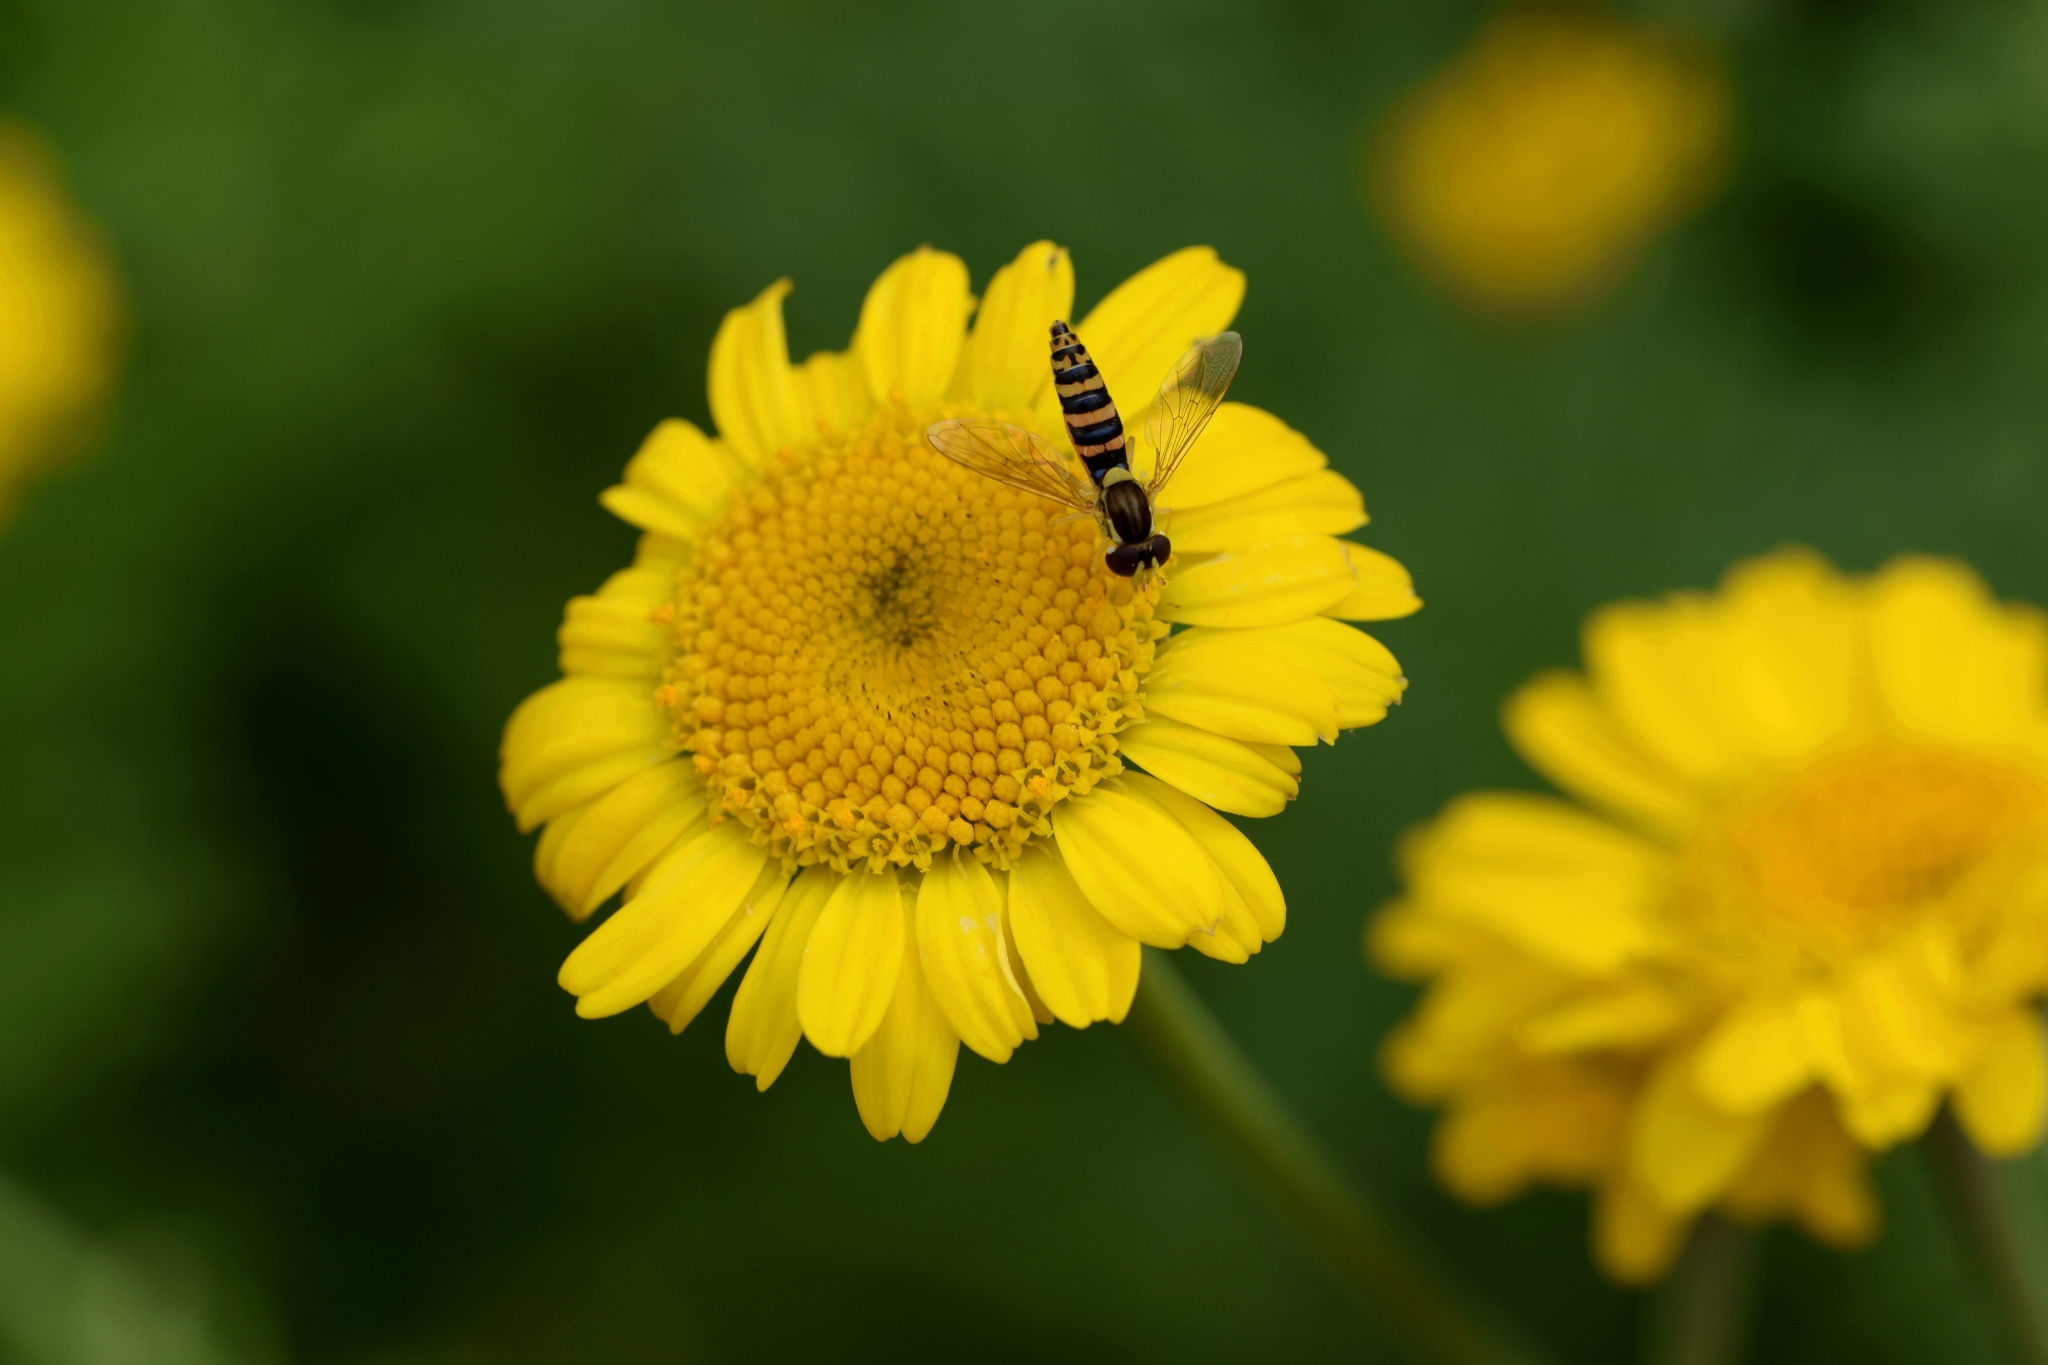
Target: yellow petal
{"type": "Point", "coordinates": [545, 850]}
{"type": "Point", "coordinates": [1896, 1014]}
{"type": "Point", "coordinates": [1709, 686]}
{"type": "Point", "coordinates": [623, 832]}
{"type": "Point", "coordinates": [1684, 1151]}
{"type": "Point", "coordinates": [585, 782]}
{"type": "Point", "coordinates": [67, 325]}
{"type": "Point", "coordinates": [912, 326]}
{"type": "Point", "coordinates": [1240, 861]}
{"type": "Point", "coordinates": [643, 586]}
{"type": "Point", "coordinates": [1839, 1208]}
{"type": "Point", "coordinates": [1284, 579]}
{"type": "Point", "coordinates": [1949, 660]}
{"type": "Point", "coordinates": [753, 390]}
{"type": "Point", "coordinates": [1626, 1015]}
{"type": "Point", "coordinates": [1223, 772]}
{"type": "Point", "coordinates": [682, 999]}
{"type": "Point", "coordinates": [851, 963]}
{"type": "Point", "coordinates": [1661, 671]}
{"type": "Point", "coordinates": [574, 740]}
{"type": "Point", "coordinates": [1027, 1011]}
{"type": "Point", "coordinates": [1083, 966]}
{"type": "Point", "coordinates": [960, 943]}
{"type": "Point", "coordinates": [667, 553]}
{"type": "Point", "coordinates": [1322, 503]}
{"type": "Point", "coordinates": [2014, 960]}
{"type": "Point", "coordinates": [1229, 939]}
{"type": "Point", "coordinates": [1809, 1169]}
{"type": "Point", "coordinates": [1755, 1058]}
{"type": "Point", "coordinates": [1412, 942]}
{"type": "Point", "coordinates": [1456, 1040]}
{"type": "Point", "coordinates": [685, 900]}
{"type": "Point", "coordinates": [677, 481]}
{"type": "Point", "coordinates": [569, 720]}
{"type": "Point", "coordinates": [612, 634]}
{"type": "Point", "coordinates": [1019, 973]}
{"type": "Point", "coordinates": [1244, 451]}
{"type": "Point", "coordinates": [902, 1073]}
{"type": "Point", "coordinates": [763, 1029]}
{"type": "Point", "coordinates": [1149, 321]}
{"type": "Point", "coordinates": [1381, 591]}
{"type": "Point", "coordinates": [2001, 1098]}
{"type": "Point", "coordinates": [1703, 688]}
{"type": "Point", "coordinates": [1635, 1239]}
{"type": "Point", "coordinates": [1137, 866]}
{"type": "Point", "coordinates": [1363, 676]}
{"type": "Point", "coordinates": [1009, 355]}
{"type": "Point", "coordinates": [1573, 890]}
{"type": "Point", "coordinates": [1791, 655]}
{"type": "Point", "coordinates": [1282, 757]}
{"type": "Point", "coordinates": [1241, 694]}
{"type": "Point", "coordinates": [832, 390]}
{"type": "Point", "coordinates": [1231, 932]}
{"type": "Point", "coordinates": [1889, 1110]}
{"type": "Point", "coordinates": [1558, 726]}
{"type": "Point", "coordinates": [1548, 1121]}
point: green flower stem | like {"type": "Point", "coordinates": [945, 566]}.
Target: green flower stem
{"type": "Point", "coordinates": [1702, 1314]}
{"type": "Point", "coordinates": [1984, 1215]}
{"type": "Point", "coordinates": [1411, 1288]}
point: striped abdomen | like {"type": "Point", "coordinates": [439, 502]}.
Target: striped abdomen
{"type": "Point", "coordinates": [1092, 424]}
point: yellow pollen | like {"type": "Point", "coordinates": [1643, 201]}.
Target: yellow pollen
{"type": "Point", "coordinates": [877, 654]}
{"type": "Point", "coordinates": [1866, 843]}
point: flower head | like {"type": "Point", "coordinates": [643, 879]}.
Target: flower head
{"type": "Point", "coordinates": [1534, 167]}
{"type": "Point", "coordinates": [1809, 902]}
{"type": "Point", "coordinates": [876, 712]}
{"type": "Point", "coordinates": [59, 315]}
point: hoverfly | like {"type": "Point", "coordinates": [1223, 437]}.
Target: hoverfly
{"type": "Point", "coordinates": [1121, 505]}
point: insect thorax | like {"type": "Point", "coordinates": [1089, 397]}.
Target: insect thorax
{"type": "Point", "coordinates": [1125, 507]}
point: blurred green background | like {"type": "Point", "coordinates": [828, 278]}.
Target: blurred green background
{"type": "Point", "coordinates": [284, 1075]}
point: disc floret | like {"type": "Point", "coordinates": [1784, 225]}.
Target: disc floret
{"type": "Point", "coordinates": [878, 655]}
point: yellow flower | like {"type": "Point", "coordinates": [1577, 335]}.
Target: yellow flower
{"type": "Point", "coordinates": [1813, 904]}
{"type": "Point", "coordinates": [59, 316]}
{"type": "Point", "coordinates": [1533, 169]}
{"type": "Point", "coordinates": [874, 712]}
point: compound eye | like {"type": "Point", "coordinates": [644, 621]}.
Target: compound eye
{"type": "Point", "coordinates": [1125, 560]}
{"type": "Point", "coordinates": [1159, 549]}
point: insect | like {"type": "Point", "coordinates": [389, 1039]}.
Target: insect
{"type": "Point", "coordinates": [1125, 508]}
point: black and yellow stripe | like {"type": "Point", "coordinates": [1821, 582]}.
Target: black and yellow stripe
{"type": "Point", "coordinates": [1092, 424]}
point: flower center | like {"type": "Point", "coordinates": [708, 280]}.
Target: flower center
{"type": "Point", "coordinates": [1861, 845]}
{"type": "Point", "coordinates": [878, 653]}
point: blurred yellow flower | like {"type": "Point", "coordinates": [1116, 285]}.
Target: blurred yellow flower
{"type": "Point", "coordinates": [1812, 906]}
{"type": "Point", "coordinates": [1533, 169]}
{"type": "Point", "coordinates": [874, 712]}
{"type": "Point", "coordinates": [59, 316]}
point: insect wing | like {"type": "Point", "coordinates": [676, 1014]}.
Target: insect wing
{"type": "Point", "coordinates": [1187, 400]}
{"type": "Point", "coordinates": [1011, 455]}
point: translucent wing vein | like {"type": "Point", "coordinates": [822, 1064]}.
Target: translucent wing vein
{"type": "Point", "coordinates": [1011, 455]}
{"type": "Point", "coordinates": [1187, 400]}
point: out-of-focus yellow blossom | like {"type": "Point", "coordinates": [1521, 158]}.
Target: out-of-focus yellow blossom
{"type": "Point", "coordinates": [59, 316]}
{"type": "Point", "coordinates": [1803, 900]}
{"type": "Point", "coordinates": [1533, 169]}
{"type": "Point", "coordinates": [885, 717]}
